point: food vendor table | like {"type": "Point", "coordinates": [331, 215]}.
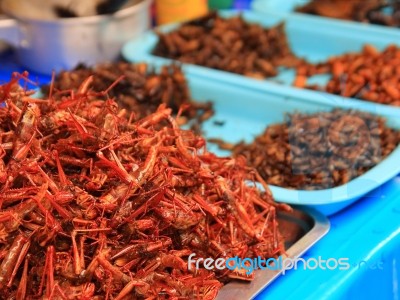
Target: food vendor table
{"type": "Point", "coordinates": [367, 233]}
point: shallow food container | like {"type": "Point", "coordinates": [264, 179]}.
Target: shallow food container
{"type": "Point", "coordinates": [244, 112]}
{"type": "Point", "coordinates": [302, 229]}
{"type": "Point", "coordinates": [289, 6]}
{"type": "Point", "coordinates": [311, 38]}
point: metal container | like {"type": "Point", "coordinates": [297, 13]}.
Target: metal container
{"type": "Point", "coordinates": [302, 229]}
{"type": "Point", "coordinates": [56, 44]}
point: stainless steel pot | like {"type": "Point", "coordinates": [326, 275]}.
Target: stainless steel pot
{"type": "Point", "coordinates": [57, 44]}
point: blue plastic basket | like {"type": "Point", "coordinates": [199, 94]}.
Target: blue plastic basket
{"type": "Point", "coordinates": [311, 38]}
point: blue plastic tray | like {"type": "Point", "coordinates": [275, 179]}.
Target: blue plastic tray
{"type": "Point", "coordinates": [247, 111]}
{"type": "Point", "coordinates": [311, 38]}
{"type": "Point", "coordinates": [289, 6]}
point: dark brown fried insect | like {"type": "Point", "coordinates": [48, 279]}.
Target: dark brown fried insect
{"type": "Point", "coordinates": [319, 151]}
{"type": "Point", "coordinates": [232, 45]}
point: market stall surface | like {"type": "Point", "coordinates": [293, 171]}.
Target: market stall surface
{"type": "Point", "coordinates": [366, 233]}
